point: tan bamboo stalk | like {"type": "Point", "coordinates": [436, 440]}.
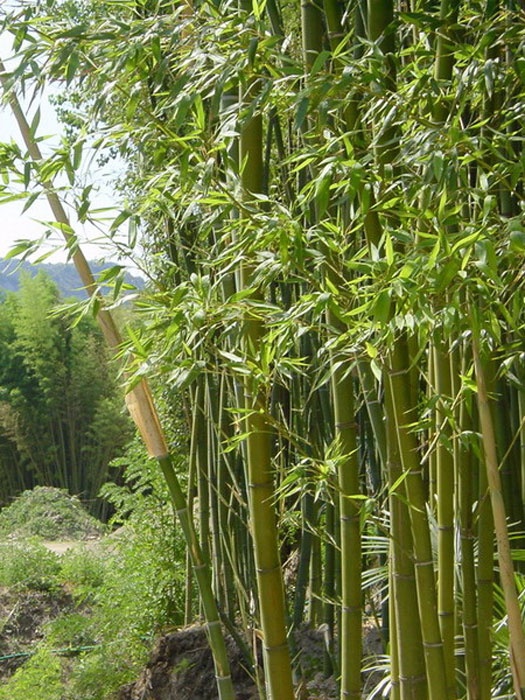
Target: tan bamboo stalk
{"type": "Point", "coordinates": [506, 569]}
{"type": "Point", "coordinates": [142, 410]}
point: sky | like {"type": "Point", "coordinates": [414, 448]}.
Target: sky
{"type": "Point", "coordinates": [15, 224]}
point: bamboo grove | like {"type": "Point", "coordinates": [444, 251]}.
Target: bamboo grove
{"type": "Point", "coordinates": [329, 198]}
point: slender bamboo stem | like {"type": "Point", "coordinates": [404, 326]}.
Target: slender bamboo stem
{"type": "Point", "coordinates": [506, 569]}
{"type": "Point", "coordinates": [445, 506]}
{"type": "Point", "coordinates": [468, 571]}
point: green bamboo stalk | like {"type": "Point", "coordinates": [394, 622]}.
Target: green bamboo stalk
{"type": "Point", "coordinates": [506, 569]}
{"type": "Point", "coordinates": [400, 386]}
{"type": "Point", "coordinates": [406, 644]}
{"type": "Point", "coordinates": [485, 583]}
{"type": "Point", "coordinates": [142, 410]}
{"type": "Point", "coordinates": [315, 583]}
{"type": "Point", "coordinates": [214, 465]}
{"type": "Point", "coordinates": [226, 499]}
{"type": "Point", "coordinates": [329, 666]}
{"type": "Point", "coordinates": [278, 670]}
{"type": "Point", "coordinates": [395, 690]}
{"type": "Point", "coordinates": [468, 571]}
{"type": "Point", "coordinates": [432, 457]}
{"type": "Point", "coordinates": [203, 495]}
{"type": "Point", "coordinates": [445, 506]}
{"type": "Point", "coordinates": [348, 482]}
{"type": "Point", "coordinates": [188, 603]}
{"type": "Point", "coordinates": [444, 63]}
{"type": "Point", "coordinates": [399, 367]}
{"type": "Point", "coordinates": [521, 410]}
{"type": "Point", "coordinates": [301, 583]}
{"type": "Point", "coordinates": [346, 438]}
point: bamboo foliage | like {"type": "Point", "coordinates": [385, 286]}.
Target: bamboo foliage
{"type": "Point", "coordinates": [322, 193]}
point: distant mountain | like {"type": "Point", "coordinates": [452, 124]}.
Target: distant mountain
{"type": "Point", "coordinates": [64, 275]}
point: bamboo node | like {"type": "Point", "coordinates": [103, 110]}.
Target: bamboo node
{"type": "Point", "coordinates": [444, 613]}
{"type": "Point", "coordinates": [264, 485]}
{"type": "Point", "coordinates": [347, 424]}
{"type": "Point", "coordinates": [412, 679]}
{"type": "Point", "coordinates": [223, 679]}
{"type": "Point", "coordinates": [279, 647]}
{"type": "Point", "coordinates": [351, 608]}
{"type": "Point", "coordinates": [424, 563]}
{"type": "Point", "coordinates": [349, 518]}
{"type": "Point", "coordinates": [213, 623]}
{"type": "Point", "coordinates": [267, 570]}
{"type": "Point", "coordinates": [403, 577]}
{"type": "Point", "coordinates": [445, 528]}
{"type": "Point", "coordinates": [197, 567]}
{"type": "Point", "coordinates": [397, 372]}
{"type": "Point", "coordinates": [432, 645]}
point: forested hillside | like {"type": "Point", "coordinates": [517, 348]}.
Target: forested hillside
{"type": "Point", "coordinates": [61, 418]}
{"type": "Point", "coordinates": [327, 370]}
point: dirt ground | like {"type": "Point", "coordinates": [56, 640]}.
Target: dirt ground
{"type": "Point", "coordinates": [23, 617]}
{"type": "Point", "coordinates": [181, 668]}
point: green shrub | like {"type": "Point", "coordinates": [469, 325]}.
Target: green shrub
{"type": "Point", "coordinates": [40, 678]}
{"type": "Point", "coordinates": [49, 513]}
{"type": "Point", "coordinates": [71, 631]}
{"type": "Point", "coordinates": [141, 582]}
{"type": "Point", "coordinates": [28, 565]}
{"type": "Point", "coordinates": [97, 674]}
{"type": "Point", "coordinates": [83, 571]}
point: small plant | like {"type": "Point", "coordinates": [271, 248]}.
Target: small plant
{"type": "Point", "coordinates": [28, 565]}
{"type": "Point", "coordinates": [83, 570]}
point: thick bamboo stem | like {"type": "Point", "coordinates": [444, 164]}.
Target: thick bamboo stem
{"type": "Point", "coordinates": [278, 668]}
{"type": "Point", "coordinates": [406, 643]}
{"type": "Point", "coordinates": [423, 560]}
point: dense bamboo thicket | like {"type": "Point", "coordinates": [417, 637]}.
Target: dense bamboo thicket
{"type": "Point", "coordinates": [329, 199]}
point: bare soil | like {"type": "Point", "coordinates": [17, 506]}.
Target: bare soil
{"type": "Point", "coordinates": [23, 616]}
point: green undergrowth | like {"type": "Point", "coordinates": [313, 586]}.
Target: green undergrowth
{"type": "Point", "coordinates": [28, 565]}
{"type": "Point", "coordinates": [126, 589]}
{"type": "Point", "coordinates": [49, 513]}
